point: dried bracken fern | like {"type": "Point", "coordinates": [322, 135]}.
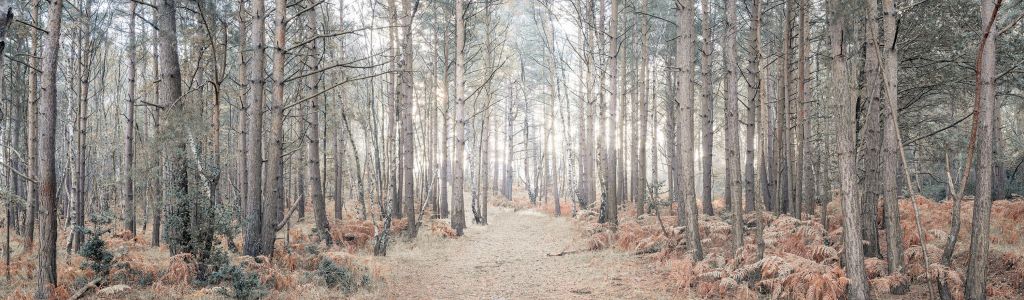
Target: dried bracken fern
{"type": "Point", "coordinates": [875, 267]}
{"type": "Point", "coordinates": [885, 284]}
{"type": "Point", "coordinates": [182, 269]}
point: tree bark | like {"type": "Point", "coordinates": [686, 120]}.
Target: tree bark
{"type": "Point", "coordinates": [891, 144]}
{"type": "Point", "coordinates": [33, 134]}
{"type": "Point", "coordinates": [611, 163]}
{"type": "Point", "coordinates": [977, 261]}
{"type": "Point", "coordinates": [732, 124]}
{"type": "Point", "coordinates": [707, 114]}
{"type": "Point", "coordinates": [408, 141]}
{"type": "Point", "coordinates": [871, 133]}
{"type": "Point", "coordinates": [458, 218]}
{"type": "Point", "coordinates": [641, 132]}
{"type": "Point", "coordinates": [46, 274]}
{"type": "Point", "coordinates": [255, 216]}
{"type": "Point", "coordinates": [842, 91]}
{"type": "Point", "coordinates": [753, 100]}
{"type": "Point", "coordinates": [170, 87]}
{"type": "Point", "coordinates": [684, 124]}
{"type": "Point", "coordinates": [129, 132]}
{"type": "Point", "coordinates": [313, 185]}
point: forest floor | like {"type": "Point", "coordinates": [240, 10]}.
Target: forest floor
{"type": "Point", "coordinates": [528, 253]}
{"type": "Point", "coordinates": [515, 257]}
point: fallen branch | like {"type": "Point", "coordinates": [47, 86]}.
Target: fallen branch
{"type": "Point", "coordinates": [565, 252]}
{"type": "Point", "coordinates": [91, 285]}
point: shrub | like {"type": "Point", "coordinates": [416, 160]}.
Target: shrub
{"type": "Point", "coordinates": [336, 275]}
{"type": "Point", "coordinates": [246, 285]}
{"type": "Point", "coordinates": [98, 257]}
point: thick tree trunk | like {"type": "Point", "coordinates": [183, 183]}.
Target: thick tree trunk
{"type": "Point", "coordinates": [871, 133]}
{"type": "Point", "coordinates": [254, 215]}
{"type": "Point", "coordinates": [891, 144]}
{"type": "Point", "coordinates": [458, 218]}
{"type": "Point", "coordinates": [684, 123]}
{"type": "Point", "coordinates": [732, 124]}
{"type": "Point", "coordinates": [408, 141]}
{"type": "Point", "coordinates": [842, 91]}
{"type": "Point", "coordinates": [273, 203]}
{"type": "Point", "coordinates": [46, 274]}
{"type": "Point", "coordinates": [170, 87]}
{"type": "Point", "coordinates": [977, 262]}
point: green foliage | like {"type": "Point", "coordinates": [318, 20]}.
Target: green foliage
{"type": "Point", "coordinates": [336, 276]}
{"type": "Point", "coordinates": [245, 285]}
{"type": "Point", "coordinates": [99, 259]}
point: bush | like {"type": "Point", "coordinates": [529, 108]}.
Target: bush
{"type": "Point", "coordinates": [246, 285]}
{"type": "Point", "coordinates": [99, 259]}
{"type": "Point", "coordinates": [335, 275]}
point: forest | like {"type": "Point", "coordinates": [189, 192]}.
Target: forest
{"type": "Point", "coordinates": [512, 149]}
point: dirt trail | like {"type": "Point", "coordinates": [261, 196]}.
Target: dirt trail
{"type": "Point", "coordinates": [508, 260]}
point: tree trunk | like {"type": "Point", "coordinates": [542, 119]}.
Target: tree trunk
{"type": "Point", "coordinates": [842, 91]}
{"type": "Point", "coordinates": [33, 134]}
{"type": "Point", "coordinates": [458, 218]}
{"type": "Point", "coordinates": [129, 132]}
{"type": "Point", "coordinates": [170, 87]}
{"type": "Point", "coordinates": [684, 59]}
{"type": "Point", "coordinates": [753, 100]}
{"type": "Point", "coordinates": [891, 144]}
{"type": "Point", "coordinates": [255, 216]}
{"type": "Point", "coordinates": [801, 186]}
{"type": "Point", "coordinates": [871, 133]}
{"type": "Point", "coordinates": [732, 124]}
{"type": "Point", "coordinates": [83, 63]}
{"type": "Point", "coordinates": [707, 114]}
{"type": "Point", "coordinates": [339, 175]}
{"type": "Point", "coordinates": [313, 186]}
{"type": "Point", "coordinates": [611, 163]}
{"type": "Point", "coordinates": [408, 141]}
{"type": "Point", "coordinates": [158, 203]}
{"type": "Point", "coordinates": [46, 274]}
{"type": "Point", "coordinates": [977, 262]}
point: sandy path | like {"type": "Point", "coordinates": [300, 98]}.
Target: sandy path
{"type": "Point", "coordinates": [507, 260]}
